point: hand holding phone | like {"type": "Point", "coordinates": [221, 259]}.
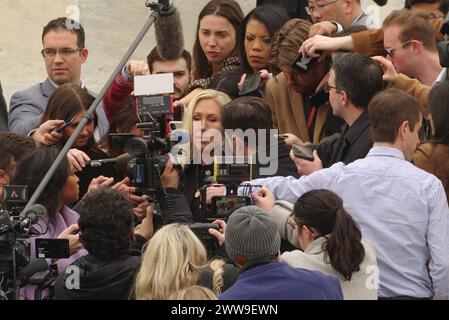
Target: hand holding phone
{"type": "Point", "coordinates": [304, 151]}
{"type": "Point", "coordinates": [251, 84]}
{"type": "Point", "coordinates": [65, 124]}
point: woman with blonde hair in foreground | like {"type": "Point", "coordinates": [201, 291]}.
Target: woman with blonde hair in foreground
{"type": "Point", "coordinates": [171, 262]}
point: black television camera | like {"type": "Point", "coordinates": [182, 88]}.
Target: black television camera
{"type": "Point", "coordinates": [15, 229]}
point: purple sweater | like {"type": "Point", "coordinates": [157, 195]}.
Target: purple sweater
{"type": "Point", "coordinates": [64, 219]}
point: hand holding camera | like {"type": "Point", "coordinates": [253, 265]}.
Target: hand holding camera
{"type": "Point", "coordinates": [265, 199]}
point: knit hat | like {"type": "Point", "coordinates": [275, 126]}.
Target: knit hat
{"type": "Point", "coordinates": [252, 233]}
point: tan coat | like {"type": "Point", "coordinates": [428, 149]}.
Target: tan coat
{"type": "Point", "coordinates": [434, 158]}
{"type": "Point", "coordinates": [287, 110]}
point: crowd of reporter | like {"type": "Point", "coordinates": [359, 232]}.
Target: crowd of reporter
{"type": "Point", "coordinates": [364, 217]}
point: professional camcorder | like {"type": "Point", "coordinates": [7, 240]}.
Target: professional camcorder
{"type": "Point", "coordinates": [153, 106]}
{"type": "Point", "coordinates": [16, 226]}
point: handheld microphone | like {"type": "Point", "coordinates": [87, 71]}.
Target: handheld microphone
{"type": "Point", "coordinates": [121, 159]}
{"type": "Point", "coordinates": [169, 34]}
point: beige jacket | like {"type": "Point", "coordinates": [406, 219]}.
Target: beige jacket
{"type": "Point", "coordinates": [287, 110]}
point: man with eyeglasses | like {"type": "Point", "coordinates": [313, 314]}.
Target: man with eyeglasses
{"type": "Point", "coordinates": [64, 52]}
{"type": "Point", "coordinates": [347, 13]}
{"type": "Point", "coordinates": [354, 79]}
{"type": "Point", "coordinates": [410, 45]}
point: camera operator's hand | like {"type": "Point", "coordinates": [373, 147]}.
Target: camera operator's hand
{"type": "Point", "coordinates": [77, 159]}
{"type": "Point", "coordinates": [390, 73]}
{"type": "Point", "coordinates": [44, 135]}
{"type": "Point", "coordinates": [170, 176]}
{"type": "Point", "coordinates": [290, 138]}
{"type": "Point", "coordinates": [306, 167]}
{"type": "Point", "coordinates": [136, 68]}
{"type": "Point", "coordinates": [265, 199]}
{"type": "Point", "coordinates": [72, 234]}
{"type": "Point", "coordinates": [219, 235]}
{"type": "Point", "coordinates": [214, 190]}
{"type": "Point", "coordinates": [146, 228]}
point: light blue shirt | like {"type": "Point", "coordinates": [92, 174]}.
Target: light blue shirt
{"type": "Point", "coordinates": [401, 209]}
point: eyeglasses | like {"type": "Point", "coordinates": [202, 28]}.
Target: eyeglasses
{"type": "Point", "coordinates": [291, 222]}
{"type": "Point", "coordinates": [317, 8]}
{"type": "Point", "coordinates": [327, 88]}
{"type": "Point", "coordinates": [65, 52]}
{"type": "Point", "coordinates": [390, 51]}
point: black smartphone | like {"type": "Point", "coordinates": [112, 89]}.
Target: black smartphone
{"type": "Point", "coordinates": [303, 151]}
{"type": "Point", "coordinates": [319, 98]}
{"type": "Point", "coordinates": [119, 140]}
{"type": "Point", "coordinates": [65, 124]}
{"type": "Point", "coordinates": [303, 64]}
{"type": "Point", "coordinates": [251, 84]}
{"type": "Point", "coordinates": [52, 248]}
{"type": "Point", "coordinates": [224, 206]}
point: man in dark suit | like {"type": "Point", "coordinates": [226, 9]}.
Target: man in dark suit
{"type": "Point", "coordinates": [3, 112]}
{"type": "Point", "coordinates": [64, 52]}
{"type": "Point", "coordinates": [294, 8]}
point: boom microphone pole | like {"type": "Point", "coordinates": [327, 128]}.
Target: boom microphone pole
{"type": "Point", "coordinates": [162, 8]}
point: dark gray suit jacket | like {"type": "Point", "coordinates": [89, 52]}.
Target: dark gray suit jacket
{"type": "Point", "coordinates": [27, 107]}
{"type": "Point", "coordinates": [3, 112]}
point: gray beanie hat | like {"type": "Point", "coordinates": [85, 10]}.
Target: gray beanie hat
{"type": "Point", "coordinates": [252, 233]}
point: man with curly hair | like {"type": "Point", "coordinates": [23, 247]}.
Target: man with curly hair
{"type": "Point", "coordinates": [107, 232]}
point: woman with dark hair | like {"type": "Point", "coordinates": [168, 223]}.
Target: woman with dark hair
{"type": "Point", "coordinates": [215, 50]}
{"type": "Point", "coordinates": [61, 221]}
{"type": "Point", "coordinates": [258, 27]}
{"type": "Point", "coordinates": [69, 102]}
{"type": "Point", "coordinates": [433, 156]}
{"type": "Point", "coordinates": [330, 239]}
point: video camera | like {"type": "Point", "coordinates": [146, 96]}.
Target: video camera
{"type": "Point", "coordinates": [15, 228]}
{"type": "Point", "coordinates": [153, 105]}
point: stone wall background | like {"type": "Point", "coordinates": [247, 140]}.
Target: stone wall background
{"type": "Point", "coordinates": [110, 26]}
